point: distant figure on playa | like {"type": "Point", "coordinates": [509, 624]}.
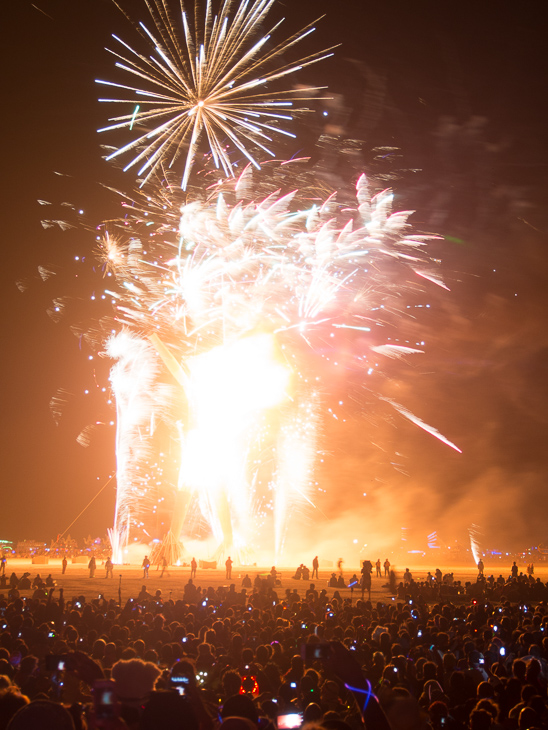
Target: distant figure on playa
{"type": "Point", "coordinates": [315, 567]}
{"type": "Point", "coordinates": [3, 563]}
{"type": "Point", "coordinates": [228, 566]}
{"type": "Point", "coordinates": [378, 568]}
{"type": "Point", "coordinates": [64, 563]}
{"type": "Point", "coordinates": [386, 568]}
{"type": "Point", "coordinates": [193, 568]}
{"type": "Point", "coordinates": [109, 568]}
{"type": "Point", "coordinates": [164, 566]}
{"type": "Point", "coordinates": [367, 568]}
{"type": "Point", "coordinates": [92, 565]}
{"type": "Point", "coordinates": [145, 566]}
{"type": "Point", "coordinates": [481, 568]}
{"type": "Point", "coordinates": [515, 570]}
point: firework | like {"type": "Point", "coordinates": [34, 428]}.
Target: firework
{"type": "Point", "coordinates": [226, 302]}
{"type": "Point", "coordinates": [474, 534]}
{"type": "Point", "coordinates": [217, 79]}
{"type": "Point", "coordinates": [229, 292]}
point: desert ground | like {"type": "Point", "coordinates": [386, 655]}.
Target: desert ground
{"type": "Point", "coordinates": [129, 578]}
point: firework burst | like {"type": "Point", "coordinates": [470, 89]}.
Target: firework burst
{"type": "Point", "coordinates": [228, 295]}
{"type": "Point", "coordinates": [215, 78]}
{"type": "Point", "coordinates": [228, 299]}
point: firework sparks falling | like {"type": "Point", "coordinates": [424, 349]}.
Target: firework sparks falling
{"type": "Point", "coordinates": [208, 79]}
{"type": "Point", "coordinates": [473, 533]}
{"type": "Point", "coordinates": [139, 398]}
{"type": "Point", "coordinates": [229, 300]}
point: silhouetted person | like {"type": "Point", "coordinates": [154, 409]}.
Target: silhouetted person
{"type": "Point", "coordinates": [367, 569]}
{"type": "Point", "coordinates": [193, 568]}
{"type": "Point", "coordinates": [515, 570]}
{"type": "Point", "coordinates": [3, 565]}
{"type": "Point", "coordinates": [109, 568]}
{"type": "Point", "coordinates": [92, 566]}
{"type": "Point", "coordinates": [386, 568]}
{"type": "Point", "coordinates": [481, 567]}
{"type": "Point", "coordinates": [315, 567]}
{"type": "Point", "coordinates": [64, 563]}
{"type": "Point", "coordinates": [164, 566]}
{"type": "Point", "coordinates": [145, 566]}
{"type": "Point", "coordinates": [143, 595]}
{"type": "Point", "coordinates": [228, 566]}
{"type": "Point", "coordinates": [378, 568]}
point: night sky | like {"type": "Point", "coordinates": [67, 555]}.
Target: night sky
{"type": "Point", "coordinates": [420, 77]}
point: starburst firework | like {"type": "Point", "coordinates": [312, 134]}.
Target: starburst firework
{"type": "Point", "coordinates": [208, 79]}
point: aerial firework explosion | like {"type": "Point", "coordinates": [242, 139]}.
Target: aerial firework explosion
{"type": "Point", "coordinates": [230, 288]}
{"type": "Point", "coordinates": [208, 79]}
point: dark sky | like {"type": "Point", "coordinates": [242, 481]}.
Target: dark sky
{"type": "Point", "coordinates": [402, 68]}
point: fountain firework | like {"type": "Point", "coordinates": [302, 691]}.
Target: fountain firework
{"type": "Point", "coordinates": [229, 302]}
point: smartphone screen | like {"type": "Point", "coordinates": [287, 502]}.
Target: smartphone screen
{"type": "Point", "coordinates": [179, 682]}
{"type": "Point", "coordinates": [315, 652]}
{"type": "Point", "coordinates": [290, 721]}
{"type": "Point", "coordinates": [105, 702]}
{"type": "Point", "coordinates": [55, 663]}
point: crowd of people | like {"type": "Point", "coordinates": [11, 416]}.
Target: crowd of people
{"type": "Point", "coordinates": [264, 657]}
{"type": "Point", "coordinates": [520, 587]}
